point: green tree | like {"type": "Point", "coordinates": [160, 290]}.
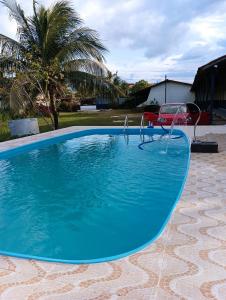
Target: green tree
{"type": "Point", "coordinates": [53, 49]}
{"type": "Point", "coordinates": [121, 84]}
{"type": "Point", "coordinates": [140, 85]}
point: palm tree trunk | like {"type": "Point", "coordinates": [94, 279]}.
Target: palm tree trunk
{"type": "Point", "coordinates": [53, 108]}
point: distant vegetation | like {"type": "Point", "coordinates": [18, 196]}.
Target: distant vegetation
{"type": "Point", "coordinates": [139, 85]}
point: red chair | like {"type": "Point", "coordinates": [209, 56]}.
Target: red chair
{"type": "Point", "coordinates": [151, 117]}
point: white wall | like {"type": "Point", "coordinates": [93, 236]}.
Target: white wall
{"type": "Point", "coordinates": [88, 107]}
{"type": "Point", "coordinates": [174, 93]}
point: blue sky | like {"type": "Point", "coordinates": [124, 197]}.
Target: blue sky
{"type": "Point", "coordinates": [150, 38]}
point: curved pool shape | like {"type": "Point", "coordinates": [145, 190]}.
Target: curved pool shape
{"type": "Point", "coordinates": [89, 196]}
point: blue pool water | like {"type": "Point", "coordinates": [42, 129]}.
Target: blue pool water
{"type": "Point", "coordinates": [94, 197]}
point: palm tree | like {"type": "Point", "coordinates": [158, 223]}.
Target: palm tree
{"type": "Point", "coordinates": [53, 49]}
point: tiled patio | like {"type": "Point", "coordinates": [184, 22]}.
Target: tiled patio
{"type": "Point", "coordinates": [187, 262]}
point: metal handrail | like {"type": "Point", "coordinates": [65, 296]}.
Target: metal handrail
{"type": "Point", "coordinates": [126, 123]}
{"type": "Point", "coordinates": [142, 124]}
{"type": "Point", "coordinates": [197, 121]}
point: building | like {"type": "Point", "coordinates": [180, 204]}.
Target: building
{"type": "Point", "coordinates": [209, 85]}
{"type": "Point", "coordinates": [139, 97]}
{"type": "Point", "coordinates": [170, 91]}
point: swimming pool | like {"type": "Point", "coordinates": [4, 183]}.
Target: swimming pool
{"type": "Point", "coordinates": [90, 196]}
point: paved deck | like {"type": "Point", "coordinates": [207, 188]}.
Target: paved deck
{"type": "Point", "coordinates": [187, 262]}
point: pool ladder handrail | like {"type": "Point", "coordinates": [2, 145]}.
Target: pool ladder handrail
{"type": "Point", "coordinates": [197, 121]}
{"type": "Point", "coordinates": [126, 123]}
{"type": "Point", "coordinates": [142, 123]}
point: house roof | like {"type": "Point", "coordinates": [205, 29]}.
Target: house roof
{"type": "Point", "coordinates": [212, 63]}
{"type": "Point", "coordinates": [219, 63]}
{"type": "Point", "coordinates": [146, 91]}
{"type": "Point", "coordinates": [172, 81]}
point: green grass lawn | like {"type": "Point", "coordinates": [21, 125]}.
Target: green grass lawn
{"type": "Point", "coordinates": [101, 118]}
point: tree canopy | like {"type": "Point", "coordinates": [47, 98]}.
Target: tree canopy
{"type": "Point", "coordinates": [139, 85]}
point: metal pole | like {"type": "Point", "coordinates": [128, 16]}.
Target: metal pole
{"type": "Point", "coordinates": [212, 91]}
{"type": "Point", "coordinates": [165, 87]}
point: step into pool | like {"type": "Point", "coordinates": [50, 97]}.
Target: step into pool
{"type": "Point", "coordinates": [90, 196]}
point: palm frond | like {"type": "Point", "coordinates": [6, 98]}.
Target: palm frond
{"type": "Point", "coordinates": [93, 67]}
{"type": "Point", "coordinates": [98, 86]}
{"type": "Point", "coordinates": [17, 13]}
{"type": "Point", "coordinates": [34, 8]}
{"type": "Point", "coordinates": [83, 42]}
{"type": "Point", "coordinates": [19, 98]}
{"type": "Point", "coordinates": [53, 26]}
{"type": "Point", "coordinates": [63, 13]}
